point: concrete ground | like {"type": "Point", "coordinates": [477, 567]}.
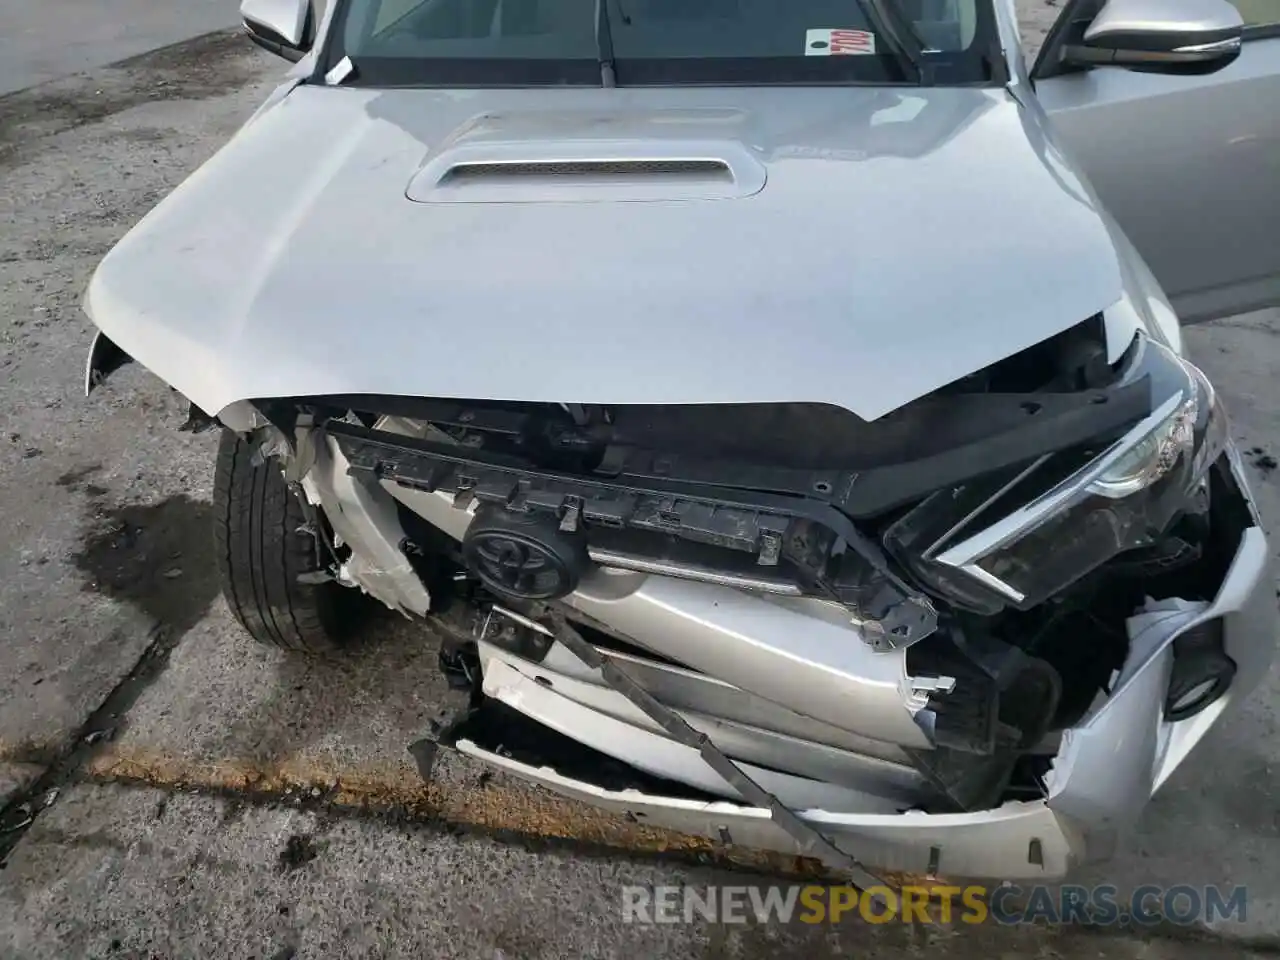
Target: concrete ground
{"type": "Point", "coordinates": [170, 790]}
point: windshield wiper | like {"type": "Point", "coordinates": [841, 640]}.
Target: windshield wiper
{"type": "Point", "coordinates": [887, 19]}
{"type": "Point", "coordinates": [604, 45]}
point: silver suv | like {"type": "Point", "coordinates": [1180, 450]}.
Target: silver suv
{"type": "Point", "coordinates": [765, 405]}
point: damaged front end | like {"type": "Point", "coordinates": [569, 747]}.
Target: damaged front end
{"type": "Point", "coordinates": [971, 637]}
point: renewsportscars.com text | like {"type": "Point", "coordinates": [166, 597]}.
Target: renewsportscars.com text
{"type": "Point", "coordinates": [1007, 905]}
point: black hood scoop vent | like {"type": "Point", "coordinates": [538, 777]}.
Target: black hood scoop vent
{"type": "Point", "coordinates": [593, 171]}
{"type": "Point", "coordinates": [586, 171]}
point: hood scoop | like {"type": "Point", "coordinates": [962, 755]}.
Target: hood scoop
{"type": "Point", "coordinates": [587, 171]}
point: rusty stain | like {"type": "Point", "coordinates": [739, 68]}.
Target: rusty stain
{"type": "Point", "coordinates": [512, 807]}
{"type": "Point", "coordinates": [27, 752]}
{"type": "Point", "coordinates": [502, 808]}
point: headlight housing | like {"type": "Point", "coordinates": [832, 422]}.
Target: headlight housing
{"type": "Point", "coordinates": [1123, 499]}
{"type": "Point", "coordinates": [1193, 433]}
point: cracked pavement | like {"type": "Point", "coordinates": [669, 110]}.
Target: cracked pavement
{"type": "Point", "coordinates": [209, 798]}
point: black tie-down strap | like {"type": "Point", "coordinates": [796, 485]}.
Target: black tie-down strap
{"type": "Point", "coordinates": [811, 841]}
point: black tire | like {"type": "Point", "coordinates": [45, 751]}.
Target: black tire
{"type": "Point", "coordinates": [261, 553]}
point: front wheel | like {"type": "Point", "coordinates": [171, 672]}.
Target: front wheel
{"type": "Point", "coordinates": [262, 547]}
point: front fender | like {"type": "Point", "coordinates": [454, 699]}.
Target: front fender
{"type": "Point", "coordinates": [105, 358]}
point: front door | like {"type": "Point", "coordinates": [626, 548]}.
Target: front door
{"type": "Point", "coordinates": [1188, 165]}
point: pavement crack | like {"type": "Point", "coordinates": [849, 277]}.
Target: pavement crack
{"type": "Point", "coordinates": [1182, 933]}
{"type": "Point", "coordinates": [128, 554]}
{"type": "Point", "coordinates": [72, 758]}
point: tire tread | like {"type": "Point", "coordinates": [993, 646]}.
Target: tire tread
{"type": "Point", "coordinates": [261, 552]}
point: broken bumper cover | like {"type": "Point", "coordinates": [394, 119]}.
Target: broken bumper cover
{"type": "Point", "coordinates": [1106, 768]}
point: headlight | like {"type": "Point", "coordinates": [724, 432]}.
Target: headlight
{"type": "Point", "coordinates": [1152, 456]}
{"type": "Point", "coordinates": [1194, 419]}
{"type": "Point", "coordinates": [1123, 499]}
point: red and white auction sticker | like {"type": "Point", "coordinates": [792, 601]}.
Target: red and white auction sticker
{"type": "Point", "coordinates": [838, 42]}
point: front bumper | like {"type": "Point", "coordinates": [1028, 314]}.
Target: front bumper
{"type": "Point", "coordinates": [1105, 770]}
{"type": "Point", "coordinates": [788, 687]}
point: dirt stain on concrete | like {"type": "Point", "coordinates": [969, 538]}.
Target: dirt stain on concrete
{"type": "Point", "coordinates": [75, 479]}
{"type": "Point", "coordinates": [156, 557]}
{"type": "Point", "coordinates": [506, 809]}
{"type": "Point", "coordinates": [207, 66]}
{"type": "Point", "coordinates": [299, 850]}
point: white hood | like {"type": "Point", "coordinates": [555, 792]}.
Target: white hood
{"type": "Point", "coordinates": [860, 247]}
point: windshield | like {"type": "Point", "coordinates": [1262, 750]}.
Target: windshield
{"type": "Point", "coordinates": [646, 42]}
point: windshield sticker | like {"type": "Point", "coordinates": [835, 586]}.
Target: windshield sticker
{"type": "Point", "coordinates": [838, 42]}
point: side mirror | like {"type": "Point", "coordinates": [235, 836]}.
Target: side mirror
{"type": "Point", "coordinates": [1170, 36]}
{"type": "Point", "coordinates": [285, 27]}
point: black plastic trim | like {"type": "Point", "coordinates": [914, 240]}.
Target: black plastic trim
{"type": "Point", "coordinates": [1262, 31]}
{"type": "Point", "coordinates": [1049, 62]}
{"type": "Point", "coordinates": [742, 520]}
{"type": "Point", "coordinates": [272, 42]}
{"type": "Point", "coordinates": [969, 435]}
{"type": "Point", "coordinates": [740, 506]}
{"type": "Point", "coordinates": [1199, 657]}
{"type": "Point", "coordinates": [613, 502]}
{"type": "Point", "coordinates": [278, 47]}
{"type": "Point", "coordinates": [1148, 44]}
